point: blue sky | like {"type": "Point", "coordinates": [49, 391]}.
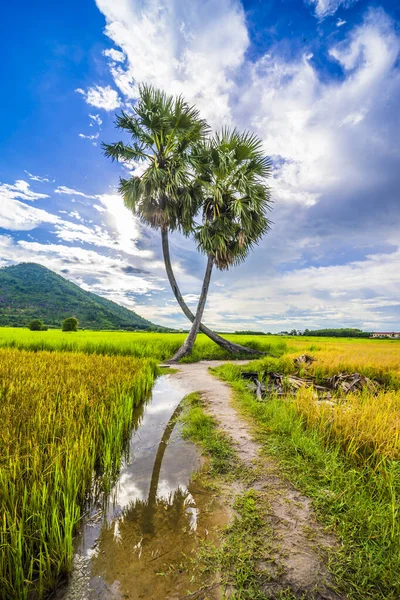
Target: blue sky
{"type": "Point", "coordinates": [318, 80]}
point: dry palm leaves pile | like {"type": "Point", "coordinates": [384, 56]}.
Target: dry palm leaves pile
{"type": "Point", "coordinates": [284, 385]}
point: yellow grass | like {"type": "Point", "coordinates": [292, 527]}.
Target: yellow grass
{"type": "Point", "coordinates": [378, 359]}
{"type": "Point", "coordinates": [366, 425]}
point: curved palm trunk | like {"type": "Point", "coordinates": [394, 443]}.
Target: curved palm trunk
{"type": "Point", "coordinates": [227, 345]}
{"type": "Point", "coordinates": [188, 344]}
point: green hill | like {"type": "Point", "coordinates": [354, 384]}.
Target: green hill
{"type": "Point", "coordinates": [29, 291]}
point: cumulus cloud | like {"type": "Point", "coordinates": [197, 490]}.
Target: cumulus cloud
{"type": "Point", "coordinates": [355, 294]}
{"type": "Point", "coordinates": [317, 132]}
{"type": "Point", "coordinates": [101, 97]}
{"type": "Point", "coordinates": [183, 47]}
{"type": "Point", "coordinates": [120, 230]}
{"type": "Point", "coordinates": [16, 215]}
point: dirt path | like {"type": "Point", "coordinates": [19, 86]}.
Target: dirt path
{"type": "Point", "coordinates": [298, 541]}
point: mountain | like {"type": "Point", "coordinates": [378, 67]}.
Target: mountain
{"type": "Point", "coordinates": [29, 291]}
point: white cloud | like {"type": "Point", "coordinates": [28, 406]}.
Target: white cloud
{"type": "Point", "coordinates": [126, 226]}
{"type": "Point", "coordinates": [89, 137]}
{"type": "Point", "coordinates": [121, 231]}
{"type": "Point", "coordinates": [101, 97]}
{"type": "Point", "coordinates": [324, 8]}
{"type": "Point", "coordinates": [192, 48]}
{"type": "Point", "coordinates": [74, 215]}
{"type": "Point", "coordinates": [115, 55]}
{"type": "Point", "coordinates": [340, 22]}
{"type": "Point", "coordinates": [298, 115]}
{"type": "Point", "coordinates": [96, 119]}
{"type": "Point", "coordinates": [17, 216]}
{"type": "Point", "coordinates": [62, 189]}
{"type": "Point", "coordinates": [20, 189]}
{"type": "Point", "coordinates": [351, 294]}
{"type": "Point", "coordinates": [37, 177]}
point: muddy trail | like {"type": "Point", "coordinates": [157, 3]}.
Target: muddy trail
{"type": "Point", "coordinates": [299, 543]}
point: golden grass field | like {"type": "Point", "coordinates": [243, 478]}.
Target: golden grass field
{"type": "Point", "coordinates": [367, 425]}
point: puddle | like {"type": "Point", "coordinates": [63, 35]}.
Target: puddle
{"type": "Point", "coordinates": [139, 544]}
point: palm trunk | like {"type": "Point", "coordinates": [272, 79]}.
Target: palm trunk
{"type": "Point", "coordinates": [188, 344]}
{"type": "Point", "coordinates": [229, 346]}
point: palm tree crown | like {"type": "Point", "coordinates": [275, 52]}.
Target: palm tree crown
{"type": "Point", "coordinates": [163, 131]}
{"type": "Point", "coordinates": [233, 169]}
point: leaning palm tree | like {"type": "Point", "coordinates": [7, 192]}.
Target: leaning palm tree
{"type": "Point", "coordinates": [164, 131]}
{"type": "Point", "coordinates": [232, 171]}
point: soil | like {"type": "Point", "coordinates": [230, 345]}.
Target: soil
{"type": "Point", "coordinates": [299, 544]}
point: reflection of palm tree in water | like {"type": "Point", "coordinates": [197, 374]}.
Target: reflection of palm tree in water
{"type": "Point", "coordinates": [149, 506]}
{"type": "Point", "coordinates": [149, 536]}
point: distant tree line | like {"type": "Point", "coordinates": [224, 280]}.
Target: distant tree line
{"type": "Point", "coordinates": [343, 332]}
{"type": "Point", "coordinates": [249, 332]}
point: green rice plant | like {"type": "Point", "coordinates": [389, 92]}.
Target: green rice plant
{"type": "Point", "coordinates": [160, 346]}
{"type": "Point", "coordinates": [66, 418]}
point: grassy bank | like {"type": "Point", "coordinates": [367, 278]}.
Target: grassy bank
{"type": "Point", "coordinates": [346, 458]}
{"type": "Point", "coordinates": [64, 417]}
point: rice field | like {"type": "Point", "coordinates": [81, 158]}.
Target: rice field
{"type": "Point", "coordinates": [66, 403]}
{"type": "Point", "coordinates": [121, 343]}
{"type": "Point", "coordinates": [367, 425]}
{"type": "Point", "coordinates": [65, 418]}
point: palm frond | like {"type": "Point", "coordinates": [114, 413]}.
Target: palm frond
{"type": "Point", "coordinates": [164, 135]}
{"type": "Point", "coordinates": [233, 171]}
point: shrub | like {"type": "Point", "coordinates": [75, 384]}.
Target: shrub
{"type": "Point", "coordinates": [37, 325]}
{"type": "Point", "coordinates": [70, 324]}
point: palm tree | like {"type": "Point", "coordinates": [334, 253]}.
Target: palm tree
{"type": "Point", "coordinates": [232, 171]}
{"type": "Point", "coordinates": [167, 195]}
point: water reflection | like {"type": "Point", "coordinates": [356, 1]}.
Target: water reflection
{"type": "Point", "coordinates": [136, 546]}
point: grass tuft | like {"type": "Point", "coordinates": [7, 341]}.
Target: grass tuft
{"type": "Point", "coordinates": [202, 429]}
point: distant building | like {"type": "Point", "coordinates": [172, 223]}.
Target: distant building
{"type": "Point", "coordinates": [386, 334]}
